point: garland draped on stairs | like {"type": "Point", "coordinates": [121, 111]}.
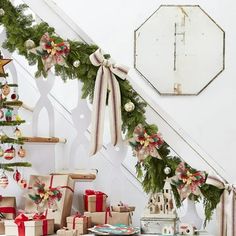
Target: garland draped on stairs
{"type": "Point", "coordinates": [20, 28]}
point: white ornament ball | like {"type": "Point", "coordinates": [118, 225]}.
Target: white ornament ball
{"type": "Point", "coordinates": [29, 44]}
{"type": "Point", "coordinates": [76, 63]}
{"type": "Point", "coordinates": [167, 170]}
{"type": "Point", "coordinates": [2, 12]}
{"type": "Point", "coordinates": [3, 181]}
{"type": "Point", "coordinates": [129, 106]}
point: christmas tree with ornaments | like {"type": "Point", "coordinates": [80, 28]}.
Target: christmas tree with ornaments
{"type": "Point", "coordinates": [12, 151]}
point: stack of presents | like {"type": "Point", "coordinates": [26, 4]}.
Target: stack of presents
{"type": "Point", "coordinates": [58, 218]}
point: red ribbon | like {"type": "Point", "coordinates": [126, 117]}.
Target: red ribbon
{"type": "Point", "coordinates": [20, 221]}
{"type": "Point", "coordinates": [99, 199]}
{"type": "Point", "coordinates": [108, 212]}
{"type": "Point", "coordinates": [6, 210]}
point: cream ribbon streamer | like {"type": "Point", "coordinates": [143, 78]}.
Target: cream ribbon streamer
{"type": "Point", "coordinates": [226, 215]}
{"type": "Point", "coordinates": [106, 81]}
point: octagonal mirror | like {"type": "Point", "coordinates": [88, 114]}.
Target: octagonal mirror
{"type": "Point", "coordinates": [179, 49]}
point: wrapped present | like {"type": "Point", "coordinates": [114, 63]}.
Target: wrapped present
{"type": "Point", "coordinates": [2, 227]}
{"type": "Point", "coordinates": [79, 222]}
{"type": "Point", "coordinates": [94, 201]}
{"type": "Point", "coordinates": [112, 218]}
{"type": "Point", "coordinates": [67, 232]}
{"type": "Point", "coordinates": [121, 207]}
{"type": "Point", "coordinates": [8, 207]}
{"type": "Point", "coordinates": [63, 206]}
{"type": "Point", "coordinates": [23, 226]}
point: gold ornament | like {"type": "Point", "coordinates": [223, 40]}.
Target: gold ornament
{"type": "Point", "coordinates": [29, 44]}
{"type": "Point", "coordinates": [22, 152]}
{"type": "Point", "coordinates": [76, 63]}
{"type": "Point", "coordinates": [17, 133]}
{"type": "Point", "coordinates": [3, 62]}
{"type": "Point", "coordinates": [6, 89]}
{"type": "Point", "coordinates": [2, 12]}
{"type": "Point", "coordinates": [129, 106]}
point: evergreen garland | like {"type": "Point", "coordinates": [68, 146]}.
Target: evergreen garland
{"type": "Point", "coordinates": [20, 27]}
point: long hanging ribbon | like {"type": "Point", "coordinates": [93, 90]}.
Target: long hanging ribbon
{"type": "Point", "coordinates": [106, 80]}
{"type": "Point", "coordinates": [226, 209]}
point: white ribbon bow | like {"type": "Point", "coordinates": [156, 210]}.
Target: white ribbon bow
{"type": "Point", "coordinates": [226, 211]}
{"type": "Point", "coordinates": [106, 81]}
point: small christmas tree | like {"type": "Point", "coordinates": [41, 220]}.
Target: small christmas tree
{"type": "Point", "coordinates": [11, 139]}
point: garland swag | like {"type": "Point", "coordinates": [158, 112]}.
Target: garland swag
{"type": "Point", "coordinates": [20, 28]}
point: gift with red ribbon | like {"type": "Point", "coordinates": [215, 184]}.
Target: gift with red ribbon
{"type": "Point", "coordinates": [94, 201]}
{"type": "Point", "coordinates": [79, 222]}
{"type": "Point", "coordinates": [7, 207]}
{"type": "Point", "coordinates": [60, 209]}
{"type": "Point", "coordinates": [25, 226]}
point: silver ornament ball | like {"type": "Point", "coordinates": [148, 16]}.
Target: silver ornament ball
{"type": "Point", "coordinates": [29, 44]}
{"type": "Point", "coordinates": [129, 106]}
{"type": "Point", "coordinates": [167, 170]}
{"type": "Point", "coordinates": [76, 63]}
{"type": "Point", "coordinates": [2, 12]}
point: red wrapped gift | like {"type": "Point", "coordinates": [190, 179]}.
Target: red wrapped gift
{"type": "Point", "coordinates": [8, 207]}
{"type": "Point", "coordinates": [94, 201]}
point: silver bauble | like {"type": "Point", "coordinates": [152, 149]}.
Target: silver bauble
{"type": "Point", "coordinates": [2, 12]}
{"type": "Point", "coordinates": [29, 44]}
{"type": "Point", "coordinates": [129, 106]}
{"type": "Point", "coordinates": [167, 170]}
{"type": "Point", "coordinates": [76, 63]}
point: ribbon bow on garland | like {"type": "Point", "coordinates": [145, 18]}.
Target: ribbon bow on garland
{"type": "Point", "coordinates": [106, 81]}
{"type": "Point", "coordinates": [52, 53]}
{"type": "Point", "coordinates": [187, 180]}
{"type": "Point", "coordinates": [226, 208]}
{"type": "Point", "coordinates": [144, 144]}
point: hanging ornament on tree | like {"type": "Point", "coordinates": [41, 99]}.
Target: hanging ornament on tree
{"type": "Point", "coordinates": [17, 133]}
{"type": "Point", "coordinates": [9, 153]}
{"type": "Point", "coordinates": [6, 89]}
{"type": "Point", "coordinates": [167, 170]}
{"type": "Point", "coordinates": [1, 114]}
{"type": "Point", "coordinates": [8, 115]}
{"type": "Point", "coordinates": [3, 180]}
{"type": "Point", "coordinates": [2, 12]}
{"type": "Point", "coordinates": [1, 152]}
{"type": "Point", "coordinates": [76, 63]}
{"type": "Point", "coordinates": [129, 106]}
{"type": "Point", "coordinates": [14, 95]}
{"type": "Point", "coordinates": [51, 52]}
{"type": "Point", "coordinates": [3, 62]}
{"type": "Point", "coordinates": [22, 183]}
{"type": "Point", "coordinates": [29, 44]}
{"type": "Point", "coordinates": [21, 152]}
{"type": "Point", "coordinates": [17, 175]}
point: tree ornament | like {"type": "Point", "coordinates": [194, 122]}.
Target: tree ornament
{"type": "Point", "coordinates": [22, 183]}
{"type": "Point", "coordinates": [76, 63]}
{"type": "Point", "coordinates": [6, 89]}
{"type": "Point", "coordinates": [14, 95]}
{"type": "Point", "coordinates": [167, 170]}
{"type": "Point", "coordinates": [1, 152]}
{"type": "Point", "coordinates": [22, 152]}
{"type": "Point", "coordinates": [1, 114]}
{"type": "Point", "coordinates": [3, 62]}
{"type": "Point", "coordinates": [2, 12]}
{"type": "Point", "coordinates": [17, 133]}
{"type": "Point", "coordinates": [18, 118]}
{"type": "Point", "coordinates": [8, 115]}
{"type": "Point", "coordinates": [29, 44]}
{"type": "Point", "coordinates": [3, 180]}
{"type": "Point", "coordinates": [9, 153]}
{"type": "Point", "coordinates": [17, 175]}
{"type": "Point", "coordinates": [129, 106]}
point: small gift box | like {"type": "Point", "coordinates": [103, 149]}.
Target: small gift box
{"type": "Point", "coordinates": [62, 207]}
{"type": "Point", "coordinates": [23, 226]}
{"type": "Point", "coordinates": [121, 207]}
{"type": "Point", "coordinates": [112, 218]}
{"type": "Point", "coordinates": [94, 201]}
{"type": "Point", "coordinates": [67, 232]}
{"type": "Point", "coordinates": [2, 227]}
{"type": "Point", "coordinates": [79, 222]}
{"type": "Point", "coordinates": [8, 207]}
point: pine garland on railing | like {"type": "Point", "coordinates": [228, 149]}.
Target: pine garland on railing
{"type": "Point", "coordinates": [19, 29]}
